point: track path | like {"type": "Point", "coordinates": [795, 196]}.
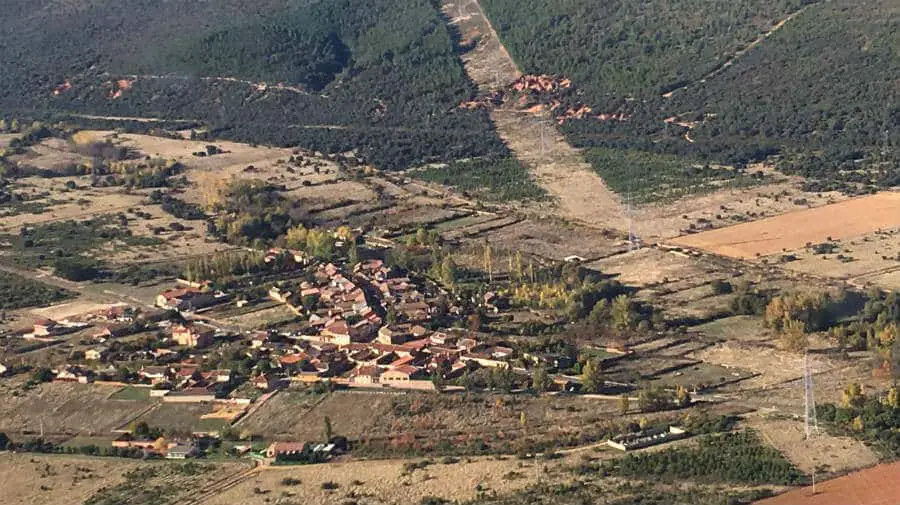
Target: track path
{"type": "Point", "coordinates": [579, 194]}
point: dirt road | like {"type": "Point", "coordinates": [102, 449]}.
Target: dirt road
{"type": "Point", "coordinates": [578, 193]}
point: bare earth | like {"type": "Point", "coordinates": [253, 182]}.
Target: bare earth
{"type": "Point", "coordinates": [793, 230]}
{"type": "Point", "coordinates": [556, 166]}
{"type": "Point", "coordinates": [724, 207]}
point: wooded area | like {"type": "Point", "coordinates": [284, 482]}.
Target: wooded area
{"type": "Point", "coordinates": [820, 91]}
{"type": "Point", "coordinates": [381, 78]}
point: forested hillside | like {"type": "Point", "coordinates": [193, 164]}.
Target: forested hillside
{"type": "Point", "coordinates": [377, 76]}
{"type": "Point", "coordinates": [815, 83]}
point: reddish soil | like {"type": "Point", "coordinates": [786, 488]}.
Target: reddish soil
{"type": "Point", "coordinates": [876, 486]}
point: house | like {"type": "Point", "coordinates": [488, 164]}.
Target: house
{"type": "Point", "coordinates": [392, 335]}
{"type": "Point", "coordinates": [288, 450]}
{"type": "Point", "coordinates": [193, 335]}
{"type": "Point", "coordinates": [402, 373]}
{"type": "Point", "coordinates": [217, 376]}
{"type": "Point", "coordinates": [467, 344]}
{"type": "Point", "coordinates": [418, 331]}
{"type": "Point", "coordinates": [415, 311]}
{"type": "Point", "coordinates": [186, 299]}
{"type": "Point", "coordinates": [268, 382]}
{"type": "Point", "coordinates": [495, 301]}
{"type": "Point", "coordinates": [181, 451]}
{"type": "Point", "coordinates": [95, 354]}
{"type": "Point", "coordinates": [442, 339]}
{"type": "Point", "coordinates": [74, 374]}
{"type": "Point", "coordinates": [278, 295]}
{"type": "Point", "coordinates": [113, 330]}
{"type": "Point", "coordinates": [500, 352]}
{"type": "Point", "coordinates": [485, 360]}
{"type": "Point", "coordinates": [174, 298]}
{"type": "Point", "coordinates": [154, 373]}
{"type": "Point", "coordinates": [337, 332]}
{"type": "Point", "coordinates": [292, 360]}
{"type": "Point", "coordinates": [46, 327]}
{"type": "Point", "coordinates": [365, 375]}
{"type": "Point", "coordinates": [155, 316]}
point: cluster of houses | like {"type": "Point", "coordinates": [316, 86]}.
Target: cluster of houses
{"type": "Point", "coordinates": [370, 328]}
{"type": "Point", "coordinates": [361, 327]}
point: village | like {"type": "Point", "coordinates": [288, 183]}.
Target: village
{"type": "Point", "coordinates": [358, 326]}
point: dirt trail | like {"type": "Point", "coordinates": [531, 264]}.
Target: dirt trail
{"type": "Point", "coordinates": [740, 54]}
{"type": "Point", "coordinates": [556, 166]}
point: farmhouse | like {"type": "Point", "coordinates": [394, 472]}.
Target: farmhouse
{"type": "Point", "coordinates": [646, 438]}
{"type": "Point", "coordinates": [285, 449]}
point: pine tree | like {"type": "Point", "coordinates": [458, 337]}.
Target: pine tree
{"type": "Point", "coordinates": [449, 272]}
{"type": "Point", "coordinates": [591, 378]}
{"type": "Point", "coordinates": [540, 379]}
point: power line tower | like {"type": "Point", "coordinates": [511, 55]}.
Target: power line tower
{"type": "Point", "coordinates": [811, 423]}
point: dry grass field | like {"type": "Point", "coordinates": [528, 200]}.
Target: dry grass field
{"type": "Point", "coordinates": [850, 218]}
{"type": "Point", "coordinates": [33, 479]}
{"type": "Point", "coordinates": [36, 479]}
{"type": "Point", "coordinates": [726, 207]}
{"type": "Point", "coordinates": [821, 452]}
{"type": "Point", "coordinates": [870, 259]}
{"type": "Point", "coordinates": [550, 239]}
{"type": "Point", "coordinates": [64, 409]}
{"type": "Point", "coordinates": [381, 482]}
{"type": "Point", "coordinates": [430, 417]}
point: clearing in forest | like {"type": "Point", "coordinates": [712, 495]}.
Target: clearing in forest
{"type": "Point", "coordinates": [534, 140]}
{"type": "Point", "coordinates": [793, 230]}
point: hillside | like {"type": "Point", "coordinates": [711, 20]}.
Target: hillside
{"type": "Point", "coordinates": [380, 77]}
{"type": "Point", "coordinates": [724, 81]}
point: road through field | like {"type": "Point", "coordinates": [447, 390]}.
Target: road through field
{"type": "Point", "coordinates": [556, 166]}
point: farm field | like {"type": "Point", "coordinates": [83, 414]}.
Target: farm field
{"type": "Point", "coordinates": [726, 207]}
{"type": "Point", "coordinates": [842, 220]}
{"type": "Point", "coordinates": [874, 486]}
